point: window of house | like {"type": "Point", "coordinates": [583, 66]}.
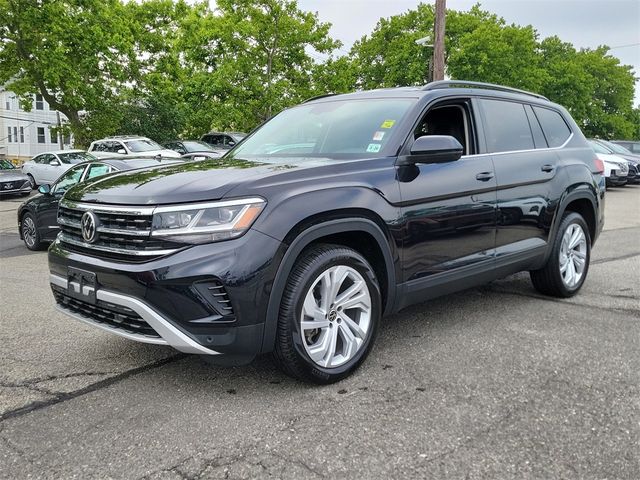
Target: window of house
{"type": "Point", "coordinates": [21, 134]}
{"type": "Point", "coordinates": [41, 138]}
{"type": "Point", "coordinates": [8, 104]}
{"type": "Point", "coordinates": [15, 134]}
{"type": "Point", "coordinates": [39, 103]}
{"type": "Point", "coordinates": [506, 126]}
{"type": "Point", "coordinates": [54, 137]}
{"type": "Point", "coordinates": [553, 125]}
{"type": "Point", "coordinates": [9, 135]}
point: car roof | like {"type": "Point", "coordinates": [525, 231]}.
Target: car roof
{"type": "Point", "coordinates": [57, 152]}
{"type": "Point", "coordinates": [124, 137]}
{"type": "Point", "coordinates": [438, 89]}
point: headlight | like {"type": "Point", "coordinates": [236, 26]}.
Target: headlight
{"type": "Point", "coordinates": [206, 222]}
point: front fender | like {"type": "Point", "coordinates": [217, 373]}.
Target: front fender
{"type": "Point", "coordinates": [300, 242]}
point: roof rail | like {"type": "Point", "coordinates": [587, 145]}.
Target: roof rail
{"type": "Point", "coordinates": [318, 97]}
{"type": "Point", "coordinates": [489, 86]}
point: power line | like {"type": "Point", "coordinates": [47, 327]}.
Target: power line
{"type": "Point", "coordinates": [625, 46]}
{"type": "Point", "coordinates": [28, 120]}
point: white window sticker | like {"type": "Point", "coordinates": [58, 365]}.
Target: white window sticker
{"type": "Point", "coordinates": [378, 136]}
{"type": "Point", "coordinates": [373, 148]}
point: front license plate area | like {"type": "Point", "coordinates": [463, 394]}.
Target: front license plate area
{"type": "Point", "coordinates": [81, 285]}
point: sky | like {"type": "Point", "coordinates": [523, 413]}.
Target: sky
{"type": "Point", "coordinates": [584, 23]}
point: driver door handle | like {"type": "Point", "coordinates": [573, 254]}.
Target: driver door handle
{"type": "Point", "coordinates": [547, 168]}
{"type": "Point", "coordinates": [484, 176]}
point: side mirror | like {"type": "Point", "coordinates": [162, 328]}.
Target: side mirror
{"type": "Point", "coordinates": [54, 163]}
{"type": "Point", "coordinates": [122, 151]}
{"type": "Point", "coordinates": [231, 144]}
{"type": "Point", "coordinates": [433, 149]}
{"type": "Point", "coordinates": [44, 189]}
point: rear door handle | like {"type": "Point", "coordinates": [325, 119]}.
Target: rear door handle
{"type": "Point", "coordinates": [484, 176]}
{"type": "Point", "coordinates": [547, 168]}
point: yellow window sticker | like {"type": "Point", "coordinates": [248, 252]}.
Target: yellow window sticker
{"type": "Point", "coordinates": [378, 136]}
{"type": "Point", "coordinates": [388, 124]}
{"type": "Point", "coordinates": [373, 148]}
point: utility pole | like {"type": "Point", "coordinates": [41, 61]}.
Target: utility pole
{"type": "Point", "coordinates": [438, 43]}
{"type": "Point", "coordinates": [60, 138]}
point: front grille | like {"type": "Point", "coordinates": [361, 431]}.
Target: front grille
{"type": "Point", "coordinates": [123, 233]}
{"type": "Point", "coordinates": [14, 185]}
{"type": "Point", "coordinates": [105, 313]}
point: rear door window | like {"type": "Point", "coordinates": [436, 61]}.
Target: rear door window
{"type": "Point", "coordinates": [553, 125]}
{"type": "Point", "coordinates": [97, 169]}
{"type": "Point", "coordinates": [506, 126]}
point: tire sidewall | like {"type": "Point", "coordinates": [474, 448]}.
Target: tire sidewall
{"type": "Point", "coordinates": [570, 219]}
{"type": "Point", "coordinates": [320, 264]}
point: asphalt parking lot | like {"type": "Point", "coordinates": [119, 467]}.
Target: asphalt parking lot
{"type": "Point", "coordinates": [494, 382]}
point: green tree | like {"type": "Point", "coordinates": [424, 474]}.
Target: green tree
{"type": "Point", "coordinates": [76, 53]}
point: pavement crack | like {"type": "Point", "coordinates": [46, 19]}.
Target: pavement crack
{"type": "Point", "coordinates": [65, 396]}
{"type": "Point", "coordinates": [614, 259]}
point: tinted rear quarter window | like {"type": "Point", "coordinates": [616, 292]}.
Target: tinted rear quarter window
{"type": "Point", "coordinates": [553, 125]}
{"type": "Point", "coordinates": [507, 127]}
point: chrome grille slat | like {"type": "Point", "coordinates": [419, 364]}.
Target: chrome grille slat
{"type": "Point", "coordinates": [122, 232]}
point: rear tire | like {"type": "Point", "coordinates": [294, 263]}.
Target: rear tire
{"type": "Point", "coordinates": [568, 265]}
{"type": "Point", "coordinates": [30, 234]}
{"type": "Point", "coordinates": [329, 315]}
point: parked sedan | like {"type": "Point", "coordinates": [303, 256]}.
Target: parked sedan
{"type": "Point", "coordinates": [37, 217]}
{"type": "Point", "coordinates": [199, 156]}
{"type": "Point", "coordinates": [616, 168]}
{"type": "Point", "coordinates": [187, 147]}
{"type": "Point", "coordinates": [47, 167]}
{"type": "Point", "coordinates": [12, 180]}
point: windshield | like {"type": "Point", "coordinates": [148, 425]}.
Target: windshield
{"type": "Point", "coordinates": [618, 148]}
{"type": "Point", "coordinates": [142, 145]}
{"type": "Point", "coordinates": [337, 129]}
{"type": "Point", "coordinates": [197, 146]}
{"type": "Point", "coordinates": [6, 165]}
{"type": "Point", "coordinates": [598, 148]}
{"type": "Point", "coordinates": [75, 157]}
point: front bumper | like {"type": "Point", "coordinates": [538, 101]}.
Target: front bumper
{"type": "Point", "coordinates": [15, 190]}
{"type": "Point", "coordinates": [616, 181]}
{"type": "Point", "coordinates": [207, 299]}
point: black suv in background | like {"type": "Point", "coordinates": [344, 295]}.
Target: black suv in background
{"type": "Point", "coordinates": [332, 214]}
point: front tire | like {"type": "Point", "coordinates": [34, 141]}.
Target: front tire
{"type": "Point", "coordinates": [329, 315]}
{"type": "Point", "coordinates": [32, 181]}
{"type": "Point", "coordinates": [568, 265]}
{"type": "Point", "coordinates": [30, 234]}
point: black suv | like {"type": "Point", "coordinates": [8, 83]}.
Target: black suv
{"type": "Point", "coordinates": [332, 214]}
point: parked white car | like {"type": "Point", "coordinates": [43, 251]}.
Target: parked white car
{"type": "Point", "coordinates": [129, 145]}
{"type": "Point", "coordinates": [616, 169]}
{"type": "Point", "coordinates": [44, 169]}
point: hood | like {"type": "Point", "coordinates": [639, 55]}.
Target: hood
{"type": "Point", "coordinates": [180, 183]}
{"type": "Point", "coordinates": [12, 176]}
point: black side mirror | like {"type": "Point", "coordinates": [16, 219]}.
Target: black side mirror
{"type": "Point", "coordinates": [44, 189]}
{"type": "Point", "coordinates": [433, 149]}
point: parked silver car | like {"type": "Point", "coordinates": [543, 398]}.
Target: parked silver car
{"type": "Point", "coordinates": [12, 180]}
{"type": "Point", "coordinates": [46, 168]}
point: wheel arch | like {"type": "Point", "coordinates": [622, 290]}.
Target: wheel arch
{"type": "Point", "coordinates": [347, 228]}
{"type": "Point", "coordinates": [580, 199]}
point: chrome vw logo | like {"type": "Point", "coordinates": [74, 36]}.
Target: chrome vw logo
{"type": "Point", "coordinates": [88, 225]}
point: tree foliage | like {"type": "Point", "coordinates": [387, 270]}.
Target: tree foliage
{"type": "Point", "coordinates": [165, 69]}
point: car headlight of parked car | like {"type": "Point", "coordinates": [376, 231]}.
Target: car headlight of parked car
{"type": "Point", "coordinates": [206, 222]}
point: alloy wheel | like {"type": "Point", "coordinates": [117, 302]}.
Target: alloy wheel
{"type": "Point", "coordinates": [573, 255]}
{"type": "Point", "coordinates": [336, 316]}
{"type": "Point", "coordinates": [29, 231]}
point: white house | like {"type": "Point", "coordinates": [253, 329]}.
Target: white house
{"type": "Point", "coordinates": [25, 134]}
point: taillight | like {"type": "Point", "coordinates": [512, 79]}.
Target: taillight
{"type": "Point", "coordinates": [599, 165]}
